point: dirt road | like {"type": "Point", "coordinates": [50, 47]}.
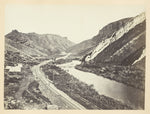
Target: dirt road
{"type": "Point", "coordinates": [56, 96]}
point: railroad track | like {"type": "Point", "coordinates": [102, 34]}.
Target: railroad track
{"type": "Point", "coordinates": [63, 98]}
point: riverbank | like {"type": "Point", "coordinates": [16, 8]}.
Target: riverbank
{"type": "Point", "coordinates": [79, 91]}
{"type": "Point", "coordinates": [129, 75]}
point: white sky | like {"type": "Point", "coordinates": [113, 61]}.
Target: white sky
{"type": "Point", "coordinates": [77, 22]}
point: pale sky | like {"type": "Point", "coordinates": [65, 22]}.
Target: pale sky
{"type": "Point", "coordinates": [76, 22]}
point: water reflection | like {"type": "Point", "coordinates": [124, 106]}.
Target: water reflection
{"type": "Point", "coordinates": [113, 89]}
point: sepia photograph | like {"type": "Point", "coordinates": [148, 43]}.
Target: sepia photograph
{"type": "Point", "coordinates": [74, 57]}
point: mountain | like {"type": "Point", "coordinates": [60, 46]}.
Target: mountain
{"type": "Point", "coordinates": [88, 45]}
{"type": "Point", "coordinates": [36, 45]}
{"type": "Point", "coordinates": [124, 47]}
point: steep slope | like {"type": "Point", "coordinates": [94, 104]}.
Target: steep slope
{"type": "Point", "coordinates": [37, 44]}
{"type": "Point", "coordinates": [21, 90]}
{"type": "Point", "coordinates": [104, 33]}
{"type": "Point", "coordinates": [125, 45]}
{"type": "Point", "coordinates": [121, 57]}
{"type": "Point", "coordinates": [140, 62]}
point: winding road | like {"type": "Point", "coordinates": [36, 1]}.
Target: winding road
{"type": "Point", "coordinates": [57, 97]}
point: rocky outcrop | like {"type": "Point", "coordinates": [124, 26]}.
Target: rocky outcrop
{"type": "Point", "coordinates": [124, 46]}
{"type": "Point", "coordinates": [106, 32]}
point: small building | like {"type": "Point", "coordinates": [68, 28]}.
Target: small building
{"type": "Point", "coordinates": [15, 68]}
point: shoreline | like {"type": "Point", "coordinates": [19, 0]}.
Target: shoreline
{"type": "Point", "coordinates": [117, 73]}
{"type": "Point", "coordinates": [79, 91]}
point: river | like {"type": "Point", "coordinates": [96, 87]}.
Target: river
{"type": "Point", "coordinates": [107, 87]}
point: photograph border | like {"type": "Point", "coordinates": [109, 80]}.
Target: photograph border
{"type": "Point", "coordinates": [145, 3]}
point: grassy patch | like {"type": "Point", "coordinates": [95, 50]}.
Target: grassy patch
{"type": "Point", "coordinates": [33, 97]}
{"type": "Point", "coordinates": [79, 91]}
{"type": "Point", "coordinates": [17, 94]}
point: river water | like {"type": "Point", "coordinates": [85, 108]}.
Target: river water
{"type": "Point", "coordinates": [107, 87]}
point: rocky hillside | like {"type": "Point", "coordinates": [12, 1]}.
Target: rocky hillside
{"type": "Point", "coordinates": [21, 90]}
{"type": "Point", "coordinates": [36, 45]}
{"type": "Point", "coordinates": [104, 33]}
{"type": "Point", "coordinates": [124, 47]}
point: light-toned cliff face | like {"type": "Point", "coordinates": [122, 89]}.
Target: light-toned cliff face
{"type": "Point", "coordinates": [117, 35]}
{"type": "Point", "coordinates": [128, 48]}
{"type": "Point", "coordinates": [141, 57]}
{"type": "Point", "coordinates": [87, 46]}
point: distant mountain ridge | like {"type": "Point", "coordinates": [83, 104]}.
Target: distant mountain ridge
{"type": "Point", "coordinates": [107, 31]}
{"type": "Point", "coordinates": [36, 45]}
